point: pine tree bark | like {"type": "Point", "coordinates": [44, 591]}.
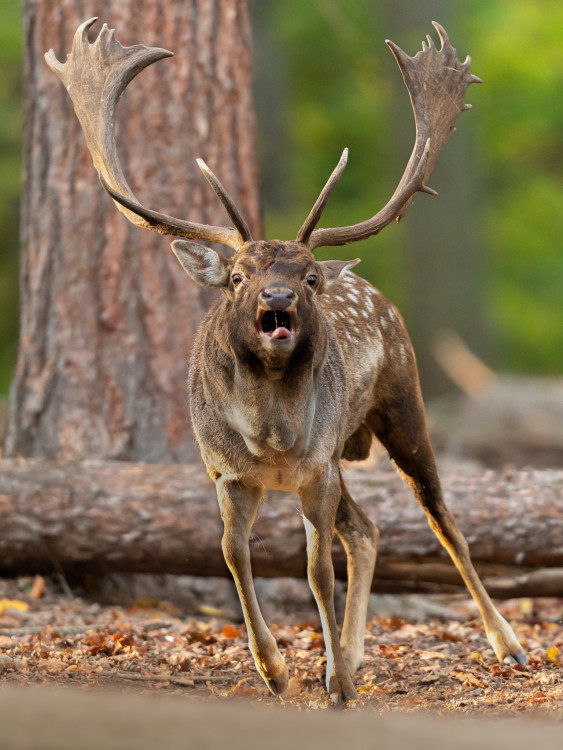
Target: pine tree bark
{"type": "Point", "coordinates": [108, 316]}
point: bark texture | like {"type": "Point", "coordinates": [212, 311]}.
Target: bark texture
{"type": "Point", "coordinates": [108, 316]}
{"type": "Point", "coordinates": [100, 517]}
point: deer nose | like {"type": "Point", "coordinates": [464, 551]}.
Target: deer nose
{"type": "Point", "coordinates": [277, 298]}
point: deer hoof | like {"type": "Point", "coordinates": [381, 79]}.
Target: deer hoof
{"type": "Point", "coordinates": [341, 691]}
{"type": "Point", "coordinates": [278, 684]}
{"type": "Point", "coordinates": [518, 658]}
{"type": "Point", "coordinates": [504, 642]}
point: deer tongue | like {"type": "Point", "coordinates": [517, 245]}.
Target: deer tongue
{"type": "Point", "coordinates": [281, 333]}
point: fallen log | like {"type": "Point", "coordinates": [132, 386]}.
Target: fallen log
{"type": "Point", "coordinates": [100, 516]}
{"type": "Point", "coordinates": [510, 419]}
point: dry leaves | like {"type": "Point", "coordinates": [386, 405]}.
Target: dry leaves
{"type": "Point", "coordinates": [435, 665]}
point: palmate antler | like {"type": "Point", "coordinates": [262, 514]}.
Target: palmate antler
{"type": "Point", "coordinates": [95, 75]}
{"type": "Point", "coordinates": [436, 82]}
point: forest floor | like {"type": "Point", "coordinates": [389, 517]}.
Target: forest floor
{"type": "Point", "coordinates": [439, 664]}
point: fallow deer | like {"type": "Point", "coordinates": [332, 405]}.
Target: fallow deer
{"type": "Point", "coordinates": [302, 362]}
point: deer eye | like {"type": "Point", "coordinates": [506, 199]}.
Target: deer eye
{"type": "Point", "coordinates": [311, 279]}
{"type": "Point", "coordinates": [237, 278]}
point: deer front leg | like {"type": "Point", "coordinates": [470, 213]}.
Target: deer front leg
{"type": "Point", "coordinates": [239, 504]}
{"type": "Point", "coordinates": [320, 501]}
{"type": "Point", "coordinates": [359, 538]}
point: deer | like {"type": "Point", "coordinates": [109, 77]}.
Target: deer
{"type": "Point", "coordinates": [301, 363]}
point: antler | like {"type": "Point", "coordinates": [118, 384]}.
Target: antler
{"type": "Point", "coordinates": [95, 75]}
{"type": "Point", "coordinates": [313, 219]}
{"type": "Point", "coordinates": [436, 82]}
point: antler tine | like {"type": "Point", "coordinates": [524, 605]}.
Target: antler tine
{"type": "Point", "coordinates": [95, 75]}
{"type": "Point", "coordinates": [436, 82]}
{"type": "Point", "coordinates": [314, 217]}
{"type": "Point", "coordinates": [241, 226]}
{"type": "Point", "coordinates": [164, 224]}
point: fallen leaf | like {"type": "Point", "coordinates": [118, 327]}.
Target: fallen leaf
{"type": "Point", "coordinates": [294, 688]}
{"type": "Point", "coordinates": [552, 654]}
{"type": "Point", "coordinates": [6, 604]}
{"type": "Point", "coordinates": [445, 635]}
{"type": "Point", "coordinates": [425, 655]}
{"type": "Point", "coordinates": [242, 688]}
{"type": "Point", "coordinates": [467, 678]}
{"type": "Point", "coordinates": [317, 641]}
{"type": "Point", "coordinates": [406, 631]}
{"type": "Point", "coordinates": [229, 632]}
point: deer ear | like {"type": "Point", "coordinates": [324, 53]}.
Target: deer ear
{"type": "Point", "coordinates": [333, 269]}
{"type": "Point", "coordinates": [204, 265]}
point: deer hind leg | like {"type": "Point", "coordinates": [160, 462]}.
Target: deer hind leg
{"type": "Point", "coordinates": [400, 424]}
{"type": "Point", "coordinates": [320, 501]}
{"type": "Point", "coordinates": [239, 504]}
{"type": "Point", "coordinates": [359, 538]}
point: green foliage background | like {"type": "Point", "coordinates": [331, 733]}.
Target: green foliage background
{"type": "Point", "coordinates": [334, 83]}
{"type": "Point", "coordinates": [11, 123]}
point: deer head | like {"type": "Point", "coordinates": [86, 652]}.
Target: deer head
{"type": "Point", "coordinates": [271, 315]}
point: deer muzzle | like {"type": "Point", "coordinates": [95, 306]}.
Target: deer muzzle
{"type": "Point", "coordinates": [276, 314]}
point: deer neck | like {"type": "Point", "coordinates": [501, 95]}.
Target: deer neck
{"type": "Point", "coordinates": [273, 407]}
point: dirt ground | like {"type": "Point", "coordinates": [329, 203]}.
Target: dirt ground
{"type": "Point", "coordinates": [439, 665]}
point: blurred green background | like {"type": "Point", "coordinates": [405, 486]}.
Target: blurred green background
{"type": "Point", "coordinates": [11, 123]}
{"type": "Point", "coordinates": [484, 258]}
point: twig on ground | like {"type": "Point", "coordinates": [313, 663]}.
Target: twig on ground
{"type": "Point", "coordinates": [78, 629]}
{"type": "Point", "coordinates": [186, 681]}
{"type": "Point", "coordinates": [59, 572]}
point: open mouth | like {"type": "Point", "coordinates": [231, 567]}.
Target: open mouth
{"type": "Point", "coordinates": [276, 324]}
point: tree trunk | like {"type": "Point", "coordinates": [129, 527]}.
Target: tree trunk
{"type": "Point", "coordinates": [98, 517]}
{"type": "Point", "coordinates": [108, 316]}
